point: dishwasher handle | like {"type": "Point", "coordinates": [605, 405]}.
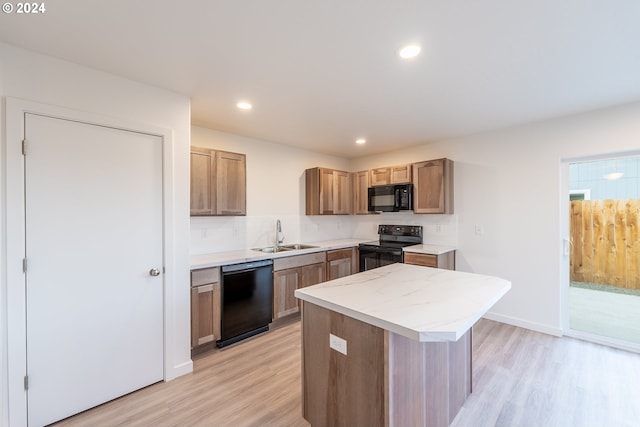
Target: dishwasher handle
{"type": "Point", "coordinates": [246, 266]}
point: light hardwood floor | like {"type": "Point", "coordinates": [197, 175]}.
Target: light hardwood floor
{"type": "Point", "coordinates": [526, 379]}
{"type": "Point", "coordinates": [254, 383]}
{"type": "Point", "coordinates": [521, 378]}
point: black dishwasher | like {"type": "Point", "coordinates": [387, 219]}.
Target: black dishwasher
{"type": "Point", "coordinates": [247, 300]}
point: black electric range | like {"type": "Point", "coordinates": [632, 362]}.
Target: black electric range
{"type": "Point", "coordinates": [388, 248]}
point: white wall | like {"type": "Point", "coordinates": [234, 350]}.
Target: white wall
{"type": "Point", "coordinates": [275, 190]}
{"type": "Point", "coordinates": [509, 182]}
{"type": "Point", "coordinates": [45, 80]}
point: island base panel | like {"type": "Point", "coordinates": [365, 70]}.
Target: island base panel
{"type": "Point", "coordinates": [385, 379]}
{"type": "Point", "coordinates": [342, 390]}
{"type": "Point", "coordinates": [428, 382]}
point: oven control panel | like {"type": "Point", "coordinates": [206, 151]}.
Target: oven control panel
{"type": "Point", "coordinates": [400, 230]}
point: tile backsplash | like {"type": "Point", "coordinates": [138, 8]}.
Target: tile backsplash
{"type": "Point", "coordinates": [219, 234]}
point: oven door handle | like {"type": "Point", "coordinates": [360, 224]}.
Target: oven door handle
{"type": "Point", "coordinates": [396, 252]}
{"type": "Point", "coordinates": [380, 250]}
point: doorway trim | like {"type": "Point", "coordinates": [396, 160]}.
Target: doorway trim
{"type": "Point", "coordinates": [565, 259]}
{"type": "Point", "coordinates": [15, 305]}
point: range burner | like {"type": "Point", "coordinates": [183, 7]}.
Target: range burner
{"type": "Point", "coordinates": [388, 249]}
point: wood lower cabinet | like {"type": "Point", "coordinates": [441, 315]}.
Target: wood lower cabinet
{"type": "Point", "coordinates": [291, 273]}
{"type": "Point", "coordinates": [341, 262]}
{"type": "Point", "coordinates": [312, 274]}
{"type": "Point", "coordinates": [218, 182]}
{"type": "Point", "coordinates": [205, 306]}
{"type": "Point", "coordinates": [285, 282]}
{"type": "Point", "coordinates": [433, 187]}
{"type": "Point", "coordinates": [446, 260]}
{"type": "Point", "coordinates": [327, 192]}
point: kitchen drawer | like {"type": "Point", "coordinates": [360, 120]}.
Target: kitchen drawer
{"type": "Point", "coordinates": [298, 260]}
{"type": "Point", "coordinates": [421, 259]}
{"type": "Point", "coordinates": [205, 276]}
{"type": "Point", "coordinates": [339, 254]}
{"type": "Point", "coordinates": [445, 261]}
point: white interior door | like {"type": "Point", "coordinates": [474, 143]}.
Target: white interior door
{"type": "Point", "coordinates": [93, 199]}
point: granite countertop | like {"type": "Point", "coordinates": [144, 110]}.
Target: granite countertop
{"type": "Point", "coordinates": [217, 259]}
{"type": "Point", "coordinates": [421, 303]}
{"type": "Point", "coordinates": [429, 249]}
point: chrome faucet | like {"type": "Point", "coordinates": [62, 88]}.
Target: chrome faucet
{"type": "Point", "coordinates": [279, 235]}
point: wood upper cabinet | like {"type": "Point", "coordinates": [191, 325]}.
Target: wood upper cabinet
{"type": "Point", "coordinates": [380, 176]}
{"type": "Point", "coordinates": [291, 273]}
{"type": "Point", "coordinates": [433, 187]}
{"type": "Point", "coordinates": [341, 263]}
{"type": "Point", "coordinates": [231, 183]}
{"type": "Point", "coordinates": [390, 175]}
{"type": "Point", "coordinates": [205, 306]}
{"type": "Point", "coordinates": [218, 182]}
{"type": "Point", "coordinates": [327, 192]}
{"type": "Point", "coordinates": [202, 181]}
{"type": "Point", "coordinates": [326, 189]}
{"type": "Point", "coordinates": [400, 174]}
{"type": "Point", "coordinates": [360, 193]}
{"type": "Point", "coordinates": [341, 193]}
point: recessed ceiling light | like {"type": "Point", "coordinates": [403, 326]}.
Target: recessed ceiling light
{"type": "Point", "coordinates": [613, 176]}
{"type": "Point", "coordinates": [409, 51]}
{"type": "Point", "coordinates": [361, 141]}
{"type": "Point", "coordinates": [244, 105]}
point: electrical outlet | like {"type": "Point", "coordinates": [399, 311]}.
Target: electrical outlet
{"type": "Point", "coordinates": [479, 229]}
{"type": "Point", "coordinates": [203, 233]}
{"type": "Point", "coordinates": [438, 228]}
{"type": "Point", "coordinates": [338, 344]}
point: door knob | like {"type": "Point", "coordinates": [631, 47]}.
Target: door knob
{"type": "Point", "coordinates": [154, 272]}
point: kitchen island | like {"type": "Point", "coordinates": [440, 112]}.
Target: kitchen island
{"type": "Point", "coordinates": [391, 346]}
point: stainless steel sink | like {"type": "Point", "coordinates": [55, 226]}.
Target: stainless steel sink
{"type": "Point", "coordinates": [284, 248]}
{"type": "Point", "coordinates": [298, 246]}
{"type": "Point", "coordinates": [272, 249]}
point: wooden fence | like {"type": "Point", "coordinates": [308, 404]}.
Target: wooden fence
{"type": "Point", "coordinates": [605, 244]}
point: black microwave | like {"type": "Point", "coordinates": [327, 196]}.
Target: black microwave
{"type": "Point", "coordinates": [390, 198]}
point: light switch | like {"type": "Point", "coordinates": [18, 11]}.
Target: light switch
{"type": "Point", "coordinates": [338, 344]}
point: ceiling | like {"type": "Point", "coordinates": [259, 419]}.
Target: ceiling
{"type": "Point", "coordinates": [322, 73]}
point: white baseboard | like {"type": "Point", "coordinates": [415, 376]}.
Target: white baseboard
{"type": "Point", "coordinates": [179, 370]}
{"type": "Point", "coordinates": [514, 321]}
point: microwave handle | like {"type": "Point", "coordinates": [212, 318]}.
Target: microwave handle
{"type": "Point", "coordinates": [397, 198]}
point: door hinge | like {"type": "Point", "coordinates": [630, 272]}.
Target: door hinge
{"type": "Point", "coordinates": [24, 265]}
{"type": "Point", "coordinates": [26, 382]}
{"type": "Point", "coordinates": [24, 147]}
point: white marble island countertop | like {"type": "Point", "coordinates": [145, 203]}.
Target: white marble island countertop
{"type": "Point", "coordinates": [421, 303]}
